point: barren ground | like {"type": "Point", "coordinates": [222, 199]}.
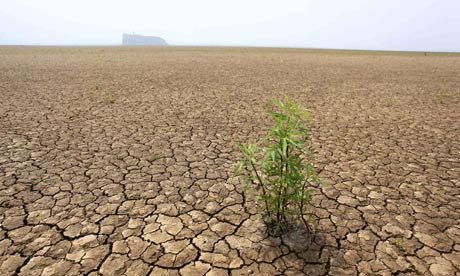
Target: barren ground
{"type": "Point", "coordinates": [117, 161]}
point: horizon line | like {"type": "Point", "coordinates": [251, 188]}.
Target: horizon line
{"type": "Point", "coordinates": [232, 46]}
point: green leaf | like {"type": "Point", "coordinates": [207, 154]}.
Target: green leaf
{"type": "Point", "coordinates": [240, 165]}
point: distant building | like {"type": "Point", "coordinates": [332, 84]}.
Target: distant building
{"type": "Point", "coordinates": [134, 39]}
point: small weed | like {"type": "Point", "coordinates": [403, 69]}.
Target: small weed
{"type": "Point", "coordinates": [445, 98]}
{"type": "Point", "coordinates": [24, 77]}
{"type": "Point", "coordinates": [281, 168]}
{"type": "Point", "coordinates": [439, 99]}
{"type": "Point", "coordinates": [390, 101]}
{"type": "Point", "coordinates": [110, 99]}
{"type": "Point", "coordinates": [399, 244]}
{"type": "Point", "coordinates": [153, 157]}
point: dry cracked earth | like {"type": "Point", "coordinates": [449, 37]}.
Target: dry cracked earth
{"type": "Point", "coordinates": [119, 161]}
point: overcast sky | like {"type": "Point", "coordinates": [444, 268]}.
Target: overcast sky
{"type": "Point", "coordinates": [431, 25]}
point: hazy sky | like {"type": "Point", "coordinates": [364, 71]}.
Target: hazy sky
{"type": "Point", "coordinates": [359, 24]}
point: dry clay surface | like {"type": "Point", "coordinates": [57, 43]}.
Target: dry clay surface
{"type": "Point", "coordinates": [118, 161]}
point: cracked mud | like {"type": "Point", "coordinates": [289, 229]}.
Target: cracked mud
{"type": "Point", "coordinates": [118, 161]}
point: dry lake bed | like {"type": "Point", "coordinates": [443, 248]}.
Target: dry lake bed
{"type": "Point", "coordinates": [119, 161]}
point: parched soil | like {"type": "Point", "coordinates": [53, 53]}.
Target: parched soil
{"type": "Point", "coordinates": [119, 161]}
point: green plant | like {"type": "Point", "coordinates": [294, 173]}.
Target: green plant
{"type": "Point", "coordinates": [281, 169]}
{"type": "Point", "coordinates": [399, 242]}
{"type": "Point", "coordinates": [153, 157]}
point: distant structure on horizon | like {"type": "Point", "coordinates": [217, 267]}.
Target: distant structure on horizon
{"type": "Point", "coordinates": [134, 39]}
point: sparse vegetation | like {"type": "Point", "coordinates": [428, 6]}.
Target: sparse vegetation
{"type": "Point", "coordinates": [281, 169]}
{"type": "Point", "coordinates": [444, 98]}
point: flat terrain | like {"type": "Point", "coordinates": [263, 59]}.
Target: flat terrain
{"type": "Point", "coordinates": [118, 161]}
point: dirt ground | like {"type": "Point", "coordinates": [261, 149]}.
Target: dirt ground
{"type": "Point", "coordinates": [118, 161]}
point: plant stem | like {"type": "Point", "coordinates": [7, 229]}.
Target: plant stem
{"type": "Point", "coordinates": [302, 194]}
{"type": "Point", "coordinates": [280, 189]}
{"type": "Point", "coordinates": [263, 188]}
{"type": "Point", "coordinates": [286, 172]}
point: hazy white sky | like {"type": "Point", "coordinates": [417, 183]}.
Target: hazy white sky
{"type": "Point", "coordinates": [359, 24]}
